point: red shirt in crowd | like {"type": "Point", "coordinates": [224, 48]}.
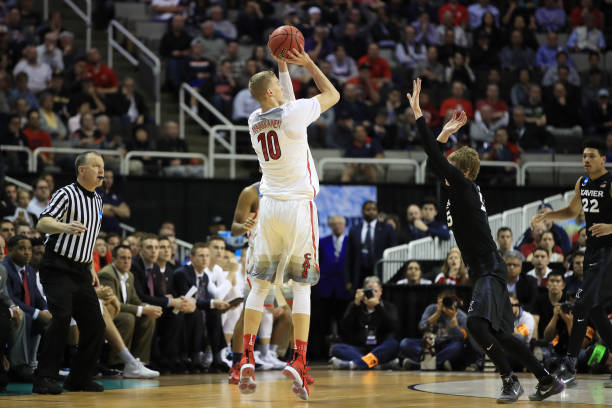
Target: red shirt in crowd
{"type": "Point", "coordinates": [454, 104]}
{"type": "Point", "coordinates": [499, 106]}
{"type": "Point", "coordinates": [363, 87]}
{"type": "Point", "coordinates": [380, 66]}
{"type": "Point", "coordinates": [577, 19]}
{"type": "Point", "coordinates": [431, 115]}
{"type": "Point", "coordinates": [104, 77]}
{"type": "Point", "coordinates": [460, 13]}
{"type": "Point", "coordinates": [38, 138]}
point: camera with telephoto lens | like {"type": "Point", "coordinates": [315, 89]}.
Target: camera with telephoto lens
{"type": "Point", "coordinates": [567, 307]}
{"type": "Point", "coordinates": [368, 293]}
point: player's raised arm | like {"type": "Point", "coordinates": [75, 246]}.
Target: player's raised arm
{"type": "Point", "coordinates": [285, 79]}
{"type": "Point", "coordinates": [329, 95]}
{"type": "Point", "coordinates": [436, 159]}
{"type": "Point", "coordinates": [571, 211]}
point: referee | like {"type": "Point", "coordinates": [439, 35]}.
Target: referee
{"type": "Point", "coordinates": [72, 222]}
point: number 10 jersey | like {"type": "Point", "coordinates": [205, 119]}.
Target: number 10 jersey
{"type": "Point", "coordinates": [280, 140]}
{"type": "Point", "coordinates": [597, 207]}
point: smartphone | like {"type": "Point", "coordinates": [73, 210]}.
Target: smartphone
{"type": "Point", "coordinates": [236, 301]}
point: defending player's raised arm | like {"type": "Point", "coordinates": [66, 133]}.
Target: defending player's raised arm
{"type": "Point", "coordinates": [329, 95]}
{"type": "Point", "coordinates": [247, 204]}
{"type": "Point", "coordinates": [571, 211]}
{"type": "Point", "coordinates": [285, 79]}
{"type": "Point", "coordinates": [436, 159]}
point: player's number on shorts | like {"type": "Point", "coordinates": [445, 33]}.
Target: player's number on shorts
{"type": "Point", "coordinates": [269, 145]}
{"type": "Point", "coordinates": [594, 205]}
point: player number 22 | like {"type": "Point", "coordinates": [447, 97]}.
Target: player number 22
{"type": "Point", "coordinates": [269, 145]}
{"type": "Point", "coordinates": [594, 205]}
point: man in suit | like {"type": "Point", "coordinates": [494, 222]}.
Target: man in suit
{"type": "Point", "coordinates": [367, 241]}
{"type": "Point", "coordinates": [135, 321]}
{"type": "Point", "coordinates": [24, 292]}
{"type": "Point", "coordinates": [332, 285]}
{"type": "Point", "coordinates": [522, 286]}
{"type": "Point", "coordinates": [207, 308]}
{"type": "Point", "coordinates": [12, 328]}
{"type": "Point", "coordinates": [152, 288]}
{"type": "Point", "coordinates": [166, 347]}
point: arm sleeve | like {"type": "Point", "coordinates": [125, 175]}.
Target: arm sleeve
{"type": "Point", "coordinates": [436, 159]}
{"type": "Point", "coordinates": [286, 85]}
{"type": "Point", "coordinates": [56, 208]}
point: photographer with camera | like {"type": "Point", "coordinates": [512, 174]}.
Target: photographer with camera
{"type": "Point", "coordinates": [555, 314]}
{"type": "Point", "coordinates": [368, 327]}
{"type": "Point", "coordinates": [444, 331]}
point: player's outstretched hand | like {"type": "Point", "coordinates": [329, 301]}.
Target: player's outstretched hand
{"type": "Point", "coordinates": [457, 121]}
{"type": "Point", "coordinates": [538, 219]}
{"type": "Point", "coordinates": [414, 98]}
{"type": "Point", "coordinates": [298, 56]}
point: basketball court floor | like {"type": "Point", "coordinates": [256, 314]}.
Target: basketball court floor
{"type": "Point", "coordinates": [387, 389]}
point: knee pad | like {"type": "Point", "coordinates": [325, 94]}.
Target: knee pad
{"type": "Point", "coordinates": [267, 322]}
{"type": "Point", "coordinates": [257, 296]}
{"type": "Point", "coordinates": [301, 298]}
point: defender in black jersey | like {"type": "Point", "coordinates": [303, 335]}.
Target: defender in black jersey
{"type": "Point", "coordinates": [490, 318]}
{"type": "Point", "coordinates": [593, 195]}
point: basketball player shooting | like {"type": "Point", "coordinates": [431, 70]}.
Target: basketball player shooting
{"type": "Point", "coordinates": [490, 319]}
{"type": "Point", "coordinates": [287, 219]}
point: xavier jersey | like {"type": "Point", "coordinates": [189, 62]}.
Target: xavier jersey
{"type": "Point", "coordinates": [597, 207]}
{"type": "Point", "coordinates": [466, 214]}
{"type": "Point", "coordinates": [280, 141]}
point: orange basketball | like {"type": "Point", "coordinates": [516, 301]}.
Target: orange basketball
{"type": "Point", "coordinates": [285, 38]}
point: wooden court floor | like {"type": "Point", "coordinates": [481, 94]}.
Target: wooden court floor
{"type": "Point", "coordinates": [388, 389]}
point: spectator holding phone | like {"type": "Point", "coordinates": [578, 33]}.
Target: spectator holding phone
{"type": "Point", "coordinates": [368, 327]}
{"type": "Point", "coordinates": [444, 331]}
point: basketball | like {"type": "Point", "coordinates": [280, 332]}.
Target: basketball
{"type": "Point", "coordinates": [285, 38]}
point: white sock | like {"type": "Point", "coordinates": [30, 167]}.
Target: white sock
{"type": "Point", "coordinates": [273, 348]}
{"type": "Point", "coordinates": [126, 356]}
{"type": "Point", "coordinates": [263, 349]}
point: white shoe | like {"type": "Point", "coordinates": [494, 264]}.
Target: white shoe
{"type": "Point", "coordinates": [272, 358]}
{"type": "Point", "coordinates": [226, 356]}
{"type": "Point", "coordinates": [260, 362]}
{"type": "Point", "coordinates": [136, 369]}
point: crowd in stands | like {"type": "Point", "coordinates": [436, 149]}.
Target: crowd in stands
{"type": "Point", "coordinates": [531, 77]}
{"type": "Point", "coordinates": [54, 94]}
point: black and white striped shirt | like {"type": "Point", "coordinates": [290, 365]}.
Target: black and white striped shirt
{"type": "Point", "coordinates": [74, 203]}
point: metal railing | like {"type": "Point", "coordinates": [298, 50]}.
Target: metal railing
{"type": "Point", "coordinates": [18, 183]}
{"type": "Point", "coordinates": [153, 61]}
{"type": "Point", "coordinates": [553, 164]}
{"type": "Point", "coordinates": [484, 163]}
{"type": "Point", "coordinates": [125, 163]}
{"type": "Point", "coordinates": [67, 150]}
{"type": "Point", "coordinates": [23, 149]}
{"type": "Point", "coordinates": [84, 15]}
{"type": "Point", "coordinates": [185, 108]}
{"type": "Point", "coordinates": [418, 175]}
{"type": "Point", "coordinates": [216, 136]}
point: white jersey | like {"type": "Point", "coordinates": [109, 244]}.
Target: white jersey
{"type": "Point", "coordinates": [280, 141]}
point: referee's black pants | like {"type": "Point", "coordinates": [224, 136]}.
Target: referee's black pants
{"type": "Point", "coordinates": [69, 292]}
